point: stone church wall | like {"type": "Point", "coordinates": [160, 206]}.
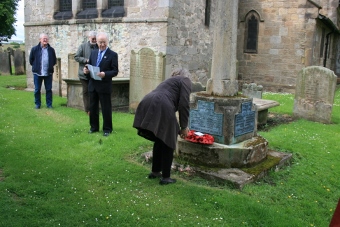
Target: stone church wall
{"type": "Point", "coordinates": [175, 28]}
{"type": "Point", "coordinates": [142, 27]}
{"type": "Point", "coordinates": [289, 39]}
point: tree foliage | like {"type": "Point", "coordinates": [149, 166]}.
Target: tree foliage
{"type": "Point", "coordinates": [7, 17]}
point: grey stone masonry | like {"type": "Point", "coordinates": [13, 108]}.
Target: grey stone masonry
{"type": "Point", "coordinates": [252, 90]}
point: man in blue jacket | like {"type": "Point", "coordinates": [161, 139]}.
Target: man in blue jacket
{"type": "Point", "coordinates": [42, 59]}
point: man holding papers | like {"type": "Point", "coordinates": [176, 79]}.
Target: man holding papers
{"type": "Point", "coordinates": [103, 65]}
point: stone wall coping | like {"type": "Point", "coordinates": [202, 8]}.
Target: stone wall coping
{"type": "Point", "coordinates": [97, 20]}
{"type": "Point", "coordinates": [115, 80]}
{"type": "Point", "coordinates": [263, 104]}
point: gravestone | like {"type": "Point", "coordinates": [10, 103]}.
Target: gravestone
{"type": "Point", "coordinates": [146, 73]}
{"type": "Point", "coordinates": [19, 62]}
{"type": "Point", "coordinates": [73, 67]}
{"type": "Point", "coordinates": [314, 94]}
{"type": "Point", "coordinates": [252, 90]}
{"type": "Point", "coordinates": [5, 66]}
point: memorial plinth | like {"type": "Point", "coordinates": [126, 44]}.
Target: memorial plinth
{"type": "Point", "coordinates": [232, 123]}
{"type": "Point", "coordinates": [229, 120]}
{"type": "Point", "coordinates": [245, 154]}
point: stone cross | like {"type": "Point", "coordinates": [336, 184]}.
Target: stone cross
{"type": "Point", "coordinates": [224, 64]}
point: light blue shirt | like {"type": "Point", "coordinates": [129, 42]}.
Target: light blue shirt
{"type": "Point", "coordinates": [44, 61]}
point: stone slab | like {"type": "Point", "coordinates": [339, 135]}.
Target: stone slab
{"type": "Point", "coordinates": [245, 154]}
{"type": "Point", "coordinates": [119, 95]}
{"type": "Point", "coordinates": [238, 178]}
{"type": "Point", "coordinates": [233, 176]}
{"type": "Point", "coordinates": [262, 106]}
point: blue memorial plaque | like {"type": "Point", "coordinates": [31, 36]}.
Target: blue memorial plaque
{"type": "Point", "coordinates": [245, 121]}
{"type": "Point", "coordinates": [205, 120]}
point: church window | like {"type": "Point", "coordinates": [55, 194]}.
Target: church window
{"type": "Point", "coordinates": [65, 10]}
{"type": "Point", "coordinates": [88, 4]}
{"type": "Point", "coordinates": [251, 32]}
{"type": "Point", "coordinates": [89, 10]}
{"type": "Point", "coordinates": [322, 43]}
{"type": "Point", "coordinates": [115, 9]}
{"type": "Point", "coordinates": [65, 5]}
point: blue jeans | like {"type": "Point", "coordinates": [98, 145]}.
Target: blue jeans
{"type": "Point", "coordinates": [37, 90]}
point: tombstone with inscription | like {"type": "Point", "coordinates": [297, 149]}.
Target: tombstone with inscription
{"type": "Point", "coordinates": [314, 94]}
{"type": "Point", "coordinates": [19, 62]}
{"type": "Point", "coordinates": [146, 72]}
{"type": "Point", "coordinates": [73, 67]}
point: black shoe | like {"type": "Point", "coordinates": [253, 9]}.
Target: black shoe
{"type": "Point", "coordinates": [37, 107]}
{"type": "Point", "coordinates": [106, 134]}
{"type": "Point", "coordinates": [154, 175]}
{"type": "Point", "coordinates": [92, 131]}
{"type": "Point", "coordinates": [169, 180]}
{"type": "Point", "coordinates": [50, 107]}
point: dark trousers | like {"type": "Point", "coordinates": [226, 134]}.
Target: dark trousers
{"type": "Point", "coordinates": [162, 158]}
{"type": "Point", "coordinates": [86, 97]}
{"type": "Point", "coordinates": [106, 106]}
{"type": "Point", "coordinates": [37, 89]}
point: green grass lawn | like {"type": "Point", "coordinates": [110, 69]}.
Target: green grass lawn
{"type": "Point", "coordinates": [53, 173]}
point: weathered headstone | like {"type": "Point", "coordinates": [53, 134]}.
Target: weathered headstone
{"type": "Point", "coordinates": [5, 66]}
{"type": "Point", "coordinates": [19, 62]}
{"type": "Point", "coordinates": [252, 90]}
{"type": "Point", "coordinates": [146, 72]}
{"type": "Point", "coordinates": [73, 67]}
{"type": "Point", "coordinates": [314, 94]}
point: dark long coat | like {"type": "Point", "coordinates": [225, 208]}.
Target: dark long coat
{"type": "Point", "coordinates": [157, 110]}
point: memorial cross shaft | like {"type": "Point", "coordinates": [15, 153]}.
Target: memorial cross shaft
{"type": "Point", "coordinates": [224, 64]}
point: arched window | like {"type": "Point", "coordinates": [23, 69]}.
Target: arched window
{"type": "Point", "coordinates": [251, 32]}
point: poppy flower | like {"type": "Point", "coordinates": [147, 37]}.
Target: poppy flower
{"type": "Point", "coordinates": [197, 137]}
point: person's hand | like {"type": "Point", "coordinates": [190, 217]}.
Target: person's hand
{"type": "Point", "coordinates": [101, 74]}
{"type": "Point", "coordinates": [184, 132]}
{"type": "Point", "coordinates": [86, 70]}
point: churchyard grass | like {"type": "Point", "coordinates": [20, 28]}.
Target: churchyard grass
{"type": "Point", "coordinates": [53, 173]}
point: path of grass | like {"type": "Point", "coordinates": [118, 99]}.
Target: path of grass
{"type": "Point", "coordinates": [52, 173]}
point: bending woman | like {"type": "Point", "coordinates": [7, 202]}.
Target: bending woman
{"type": "Point", "coordinates": [155, 120]}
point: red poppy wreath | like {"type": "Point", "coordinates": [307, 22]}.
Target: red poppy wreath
{"type": "Point", "coordinates": [198, 137]}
